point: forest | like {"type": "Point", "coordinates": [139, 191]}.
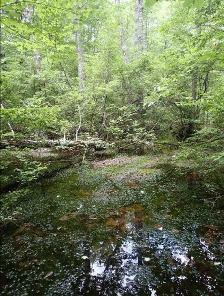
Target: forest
{"type": "Point", "coordinates": [111, 151]}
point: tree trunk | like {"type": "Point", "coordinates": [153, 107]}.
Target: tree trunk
{"type": "Point", "coordinates": [139, 43]}
{"type": "Point", "coordinates": [123, 43]}
{"type": "Point", "coordinates": [27, 17]}
{"type": "Point", "coordinates": [194, 86]}
{"type": "Point", "coordinates": [206, 82]}
{"type": "Point", "coordinates": [139, 25]}
{"type": "Point", "coordinates": [81, 73]}
{"type": "Point", "coordinates": [80, 124]}
{"type": "Point", "coordinates": [123, 39]}
{"type": "Point", "coordinates": [146, 31]}
{"type": "Point", "coordinates": [81, 69]}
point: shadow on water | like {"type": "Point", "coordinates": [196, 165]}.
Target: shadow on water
{"type": "Point", "coordinates": [66, 243]}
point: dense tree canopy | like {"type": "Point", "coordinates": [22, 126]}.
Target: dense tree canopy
{"type": "Point", "coordinates": [113, 69]}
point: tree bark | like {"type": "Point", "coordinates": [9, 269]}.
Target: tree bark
{"type": "Point", "coordinates": [80, 53]}
{"type": "Point", "coordinates": [80, 124]}
{"type": "Point", "coordinates": [139, 25]}
{"type": "Point", "coordinates": [81, 73]}
{"type": "Point", "coordinates": [139, 44]}
{"type": "Point", "coordinates": [123, 40]}
{"type": "Point", "coordinates": [123, 43]}
{"type": "Point", "coordinates": [206, 82]}
{"type": "Point", "coordinates": [27, 17]}
{"type": "Point", "coordinates": [194, 86]}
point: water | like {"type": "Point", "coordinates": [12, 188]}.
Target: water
{"type": "Point", "coordinates": [87, 233]}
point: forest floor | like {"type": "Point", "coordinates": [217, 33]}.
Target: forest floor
{"type": "Point", "coordinates": [121, 161]}
{"type": "Point", "coordinates": [129, 168]}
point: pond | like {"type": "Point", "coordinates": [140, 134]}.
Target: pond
{"type": "Point", "coordinates": [114, 230]}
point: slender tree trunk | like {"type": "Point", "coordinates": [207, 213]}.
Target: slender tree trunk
{"type": "Point", "coordinates": [139, 43]}
{"type": "Point", "coordinates": [81, 75]}
{"type": "Point", "coordinates": [123, 43]}
{"type": "Point", "coordinates": [81, 69]}
{"type": "Point", "coordinates": [188, 127]}
{"type": "Point", "coordinates": [27, 17]}
{"type": "Point", "coordinates": [139, 26]}
{"type": "Point", "coordinates": [64, 137]}
{"type": "Point", "coordinates": [146, 32]}
{"type": "Point", "coordinates": [80, 124]}
{"type": "Point", "coordinates": [123, 39]}
{"type": "Point", "coordinates": [195, 88]}
{"type": "Point", "coordinates": [194, 85]}
{"type": "Point", "coordinates": [206, 82]}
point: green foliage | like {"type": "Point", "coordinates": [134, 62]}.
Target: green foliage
{"type": "Point", "coordinates": [9, 202]}
{"type": "Point", "coordinates": [18, 167]}
{"type": "Point", "coordinates": [30, 171]}
{"type": "Point", "coordinates": [31, 119]}
{"type": "Point", "coordinates": [171, 91]}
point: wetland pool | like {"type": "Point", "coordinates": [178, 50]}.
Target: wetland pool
{"type": "Point", "coordinates": [104, 231]}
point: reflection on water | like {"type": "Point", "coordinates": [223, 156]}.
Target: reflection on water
{"type": "Point", "coordinates": [143, 260]}
{"type": "Point", "coordinates": [180, 255]}
{"type": "Point", "coordinates": [97, 268]}
{"type": "Point", "coordinates": [206, 250]}
{"type": "Point", "coordinates": [124, 252]}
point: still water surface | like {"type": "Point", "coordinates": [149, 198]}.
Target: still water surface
{"type": "Point", "coordinates": [87, 233]}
